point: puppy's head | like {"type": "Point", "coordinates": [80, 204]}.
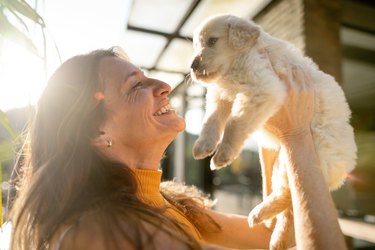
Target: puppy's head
{"type": "Point", "coordinates": [217, 42]}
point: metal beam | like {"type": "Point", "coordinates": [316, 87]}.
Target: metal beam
{"type": "Point", "coordinates": [358, 54]}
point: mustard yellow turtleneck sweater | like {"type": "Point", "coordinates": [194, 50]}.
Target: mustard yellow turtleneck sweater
{"type": "Point", "coordinates": [149, 192]}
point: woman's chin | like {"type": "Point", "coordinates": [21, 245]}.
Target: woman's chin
{"type": "Point", "coordinates": [178, 125]}
{"type": "Point", "coordinates": [171, 122]}
{"type": "Point", "coordinates": [183, 125]}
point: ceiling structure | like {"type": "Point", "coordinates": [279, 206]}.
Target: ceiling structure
{"type": "Point", "coordinates": [159, 33]}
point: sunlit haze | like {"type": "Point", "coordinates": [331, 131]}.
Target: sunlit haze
{"type": "Point", "coordinates": [77, 27]}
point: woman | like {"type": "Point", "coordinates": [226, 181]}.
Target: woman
{"type": "Point", "coordinates": [91, 178]}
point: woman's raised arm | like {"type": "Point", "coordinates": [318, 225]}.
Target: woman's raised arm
{"type": "Point", "coordinates": [315, 217]}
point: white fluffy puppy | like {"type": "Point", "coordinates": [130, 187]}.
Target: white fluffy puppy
{"type": "Point", "coordinates": [241, 65]}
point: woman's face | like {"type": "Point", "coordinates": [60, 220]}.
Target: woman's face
{"type": "Point", "coordinates": [137, 108]}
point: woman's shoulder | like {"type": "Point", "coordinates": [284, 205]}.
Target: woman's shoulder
{"type": "Point", "coordinates": [88, 231]}
{"type": "Point", "coordinates": [82, 233]}
{"type": "Point", "coordinates": [91, 232]}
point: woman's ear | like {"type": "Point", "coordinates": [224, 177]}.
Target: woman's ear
{"type": "Point", "coordinates": [101, 141]}
{"type": "Point", "coordinates": [242, 33]}
{"type": "Point", "coordinates": [98, 141]}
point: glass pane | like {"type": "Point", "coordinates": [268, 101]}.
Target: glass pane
{"type": "Point", "coordinates": [196, 89]}
{"type": "Point", "coordinates": [195, 108]}
{"type": "Point", "coordinates": [143, 48]}
{"type": "Point", "coordinates": [194, 119]}
{"type": "Point", "coordinates": [357, 38]}
{"type": "Point", "coordinates": [177, 57]}
{"type": "Point", "coordinates": [173, 79]}
{"type": "Point", "coordinates": [177, 103]}
{"type": "Point", "coordinates": [160, 15]}
{"type": "Point", "coordinates": [243, 8]}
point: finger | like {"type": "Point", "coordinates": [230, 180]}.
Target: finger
{"type": "Point", "coordinates": [309, 83]}
{"type": "Point", "coordinates": [304, 79]}
{"type": "Point", "coordinates": [287, 77]}
{"type": "Point", "coordinates": [298, 78]}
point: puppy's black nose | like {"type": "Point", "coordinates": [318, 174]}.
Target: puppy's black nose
{"type": "Point", "coordinates": [195, 64]}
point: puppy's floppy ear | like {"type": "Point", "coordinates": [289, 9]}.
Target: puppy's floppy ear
{"type": "Point", "coordinates": [242, 33]}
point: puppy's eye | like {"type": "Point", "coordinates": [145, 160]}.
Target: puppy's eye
{"type": "Point", "coordinates": [211, 41]}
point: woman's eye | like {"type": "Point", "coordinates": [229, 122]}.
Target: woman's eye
{"type": "Point", "coordinates": [211, 41]}
{"type": "Point", "coordinates": [138, 85]}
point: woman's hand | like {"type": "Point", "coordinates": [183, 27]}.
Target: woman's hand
{"type": "Point", "coordinates": [315, 218]}
{"type": "Point", "coordinates": [295, 115]}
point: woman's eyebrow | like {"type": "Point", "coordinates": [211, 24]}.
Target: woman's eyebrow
{"type": "Point", "coordinates": [126, 77]}
{"type": "Point", "coordinates": [131, 74]}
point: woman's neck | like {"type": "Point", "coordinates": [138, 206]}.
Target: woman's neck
{"type": "Point", "coordinates": [141, 158]}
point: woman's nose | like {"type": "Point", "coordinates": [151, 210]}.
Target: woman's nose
{"type": "Point", "coordinates": [162, 88]}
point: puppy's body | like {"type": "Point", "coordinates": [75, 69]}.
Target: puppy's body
{"type": "Point", "coordinates": [240, 64]}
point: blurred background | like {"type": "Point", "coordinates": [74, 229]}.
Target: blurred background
{"type": "Point", "coordinates": [339, 35]}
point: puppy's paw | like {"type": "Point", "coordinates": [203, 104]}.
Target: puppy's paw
{"type": "Point", "coordinates": [253, 218]}
{"type": "Point", "coordinates": [203, 147]}
{"type": "Point", "coordinates": [279, 241]}
{"type": "Point", "coordinates": [220, 161]}
{"type": "Point", "coordinates": [223, 157]}
{"type": "Point", "coordinates": [214, 166]}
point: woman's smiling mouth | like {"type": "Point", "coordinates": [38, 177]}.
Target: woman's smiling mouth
{"type": "Point", "coordinates": [163, 110]}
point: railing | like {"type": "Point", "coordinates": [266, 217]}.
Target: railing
{"type": "Point", "coordinates": [358, 229]}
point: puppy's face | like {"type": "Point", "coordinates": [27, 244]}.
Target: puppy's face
{"type": "Point", "coordinates": [217, 42]}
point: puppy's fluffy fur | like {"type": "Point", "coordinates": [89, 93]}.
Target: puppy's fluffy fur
{"type": "Point", "coordinates": [240, 65]}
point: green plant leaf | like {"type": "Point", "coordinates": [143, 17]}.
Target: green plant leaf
{"type": "Point", "coordinates": [9, 31]}
{"type": "Point", "coordinates": [6, 150]}
{"type": "Point", "coordinates": [4, 121]}
{"type": "Point", "coordinates": [1, 194]}
{"type": "Point", "coordinates": [20, 20]}
{"type": "Point", "coordinates": [25, 9]}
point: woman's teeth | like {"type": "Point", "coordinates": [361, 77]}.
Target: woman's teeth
{"type": "Point", "coordinates": [163, 110]}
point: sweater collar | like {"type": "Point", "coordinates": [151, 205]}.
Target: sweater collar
{"type": "Point", "coordinates": [148, 186]}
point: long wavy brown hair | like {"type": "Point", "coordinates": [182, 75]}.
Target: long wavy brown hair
{"type": "Point", "coordinates": [61, 177]}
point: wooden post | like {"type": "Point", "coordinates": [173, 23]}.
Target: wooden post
{"type": "Point", "coordinates": [322, 20]}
